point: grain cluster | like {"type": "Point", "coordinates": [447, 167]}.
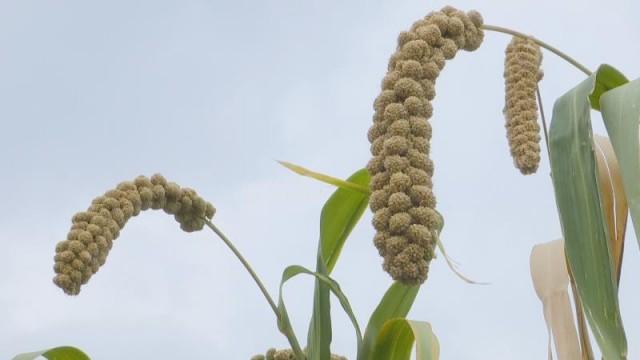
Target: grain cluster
{"type": "Point", "coordinates": [521, 76]}
{"type": "Point", "coordinates": [286, 354]}
{"type": "Point", "coordinates": [93, 231]}
{"type": "Point", "coordinates": [402, 198]}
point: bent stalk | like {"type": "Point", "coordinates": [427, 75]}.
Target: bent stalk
{"type": "Point", "coordinates": [554, 50]}
{"type": "Point", "coordinates": [288, 330]}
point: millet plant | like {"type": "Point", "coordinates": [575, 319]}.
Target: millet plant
{"type": "Point", "coordinates": [396, 185]}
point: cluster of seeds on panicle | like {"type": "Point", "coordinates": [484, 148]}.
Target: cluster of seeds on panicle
{"type": "Point", "coordinates": [521, 76]}
{"type": "Point", "coordinates": [93, 231]}
{"type": "Point", "coordinates": [287, 354]}
{"type": "Point", "coordinates": [401, 170]}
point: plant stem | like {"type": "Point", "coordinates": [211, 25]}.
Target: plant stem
{"type": "Point", "coordinates": [245, 263]}
{"type": "Point", "coordinates": [544, 121]}
{"type": "Point", "coordinates": [554, 50]}
{"type": "Point", "coordinates": [288, 331]}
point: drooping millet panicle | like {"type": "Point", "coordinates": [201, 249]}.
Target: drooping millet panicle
{"type": "Point", "coordinates": [93, 231]}
{"type": "Point", "coordinates": [521, 76]}
{"type": "Point", "coordinates": [287, 354]}
{"type": "Point", "coordinates": [401, 189]}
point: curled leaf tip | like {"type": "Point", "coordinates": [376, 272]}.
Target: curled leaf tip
{"type": "Point", "coordinates": [454, 267]}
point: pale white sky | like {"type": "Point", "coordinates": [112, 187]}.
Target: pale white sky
{"type": "Point", "coordinates": [209, 93]}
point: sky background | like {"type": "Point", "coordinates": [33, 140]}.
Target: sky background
{"type": "Point", "coordinates": [209, 94]}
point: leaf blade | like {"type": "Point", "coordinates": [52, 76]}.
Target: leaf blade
{"type": "Point", "coordinates": [550, 278]}
{"type": "Point", "coordinates": [320, 333]}
{"type": "Point", "coordinates": [338, 217]}
{"type": "Point", "coordinates": [57, 353]}
{"type": "Point", "coordinates": [397, 337]}
{"type": "Point", "coordinates": [613, 198]}
{"type": "Point", "coordinates": [324, 178]}
{"type": "Point", "coordinates": [395, 303]}
{"type": "Point", "coordinates": [295, 270]}
{"type": "Point", "coordinates": [582, 219]}
{"type": "Point", "coordinates": [621, 115]}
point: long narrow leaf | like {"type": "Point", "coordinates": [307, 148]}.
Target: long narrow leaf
{"type": "Point", "coordinates": [294, 270]}
{"type": "Point", "coordinates": [621, 115]}
{"type": "Point", "coordinates": [395, 303]}
{"type": "Point", "coordinates": [362, 187]}
{"type": "Point", "coordinates": [324, 178]}
{"type": "Point", "coordinates": [583, 330]}
{"type": "Point", "coordinates": [551, 282]}
{"type": "Point", "coordinates": [452, 266]}
{"type": "Point", "coordinates": [584, 227]}
{"type": "Point", "coordinates": [612, 195]}
{"type": "Point", "coordinates": [57, 353]}
{"type": "Point", "coordinates": [339, 215]}
{"type": "Point", "coordinates": [396, 339]}
{"type": "Point", "coordinates": [615, 208]}
{"type": "Point", "coordinates": [320, 333]}
{"type": "Point", "coordinates": [427, 345]}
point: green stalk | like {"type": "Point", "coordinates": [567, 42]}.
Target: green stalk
{"type": "Point", "coordinates": [554, 50]}
{"type": "Point", "coordinates": [287, 329]}
{"type": "Point", "coordinates": [544, 121]}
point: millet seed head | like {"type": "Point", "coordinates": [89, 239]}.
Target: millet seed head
{"type": "Point", "coordinates": [93, 231]}
{"type": "Point", "coordinates": [521, 75]}
{"type": "Point", "coordinates": [402, 198]}
{"type": "Point", "coordinates": [286, 354]}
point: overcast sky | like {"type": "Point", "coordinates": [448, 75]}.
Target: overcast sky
{"type": "Point", "coordinates": [209, 94]}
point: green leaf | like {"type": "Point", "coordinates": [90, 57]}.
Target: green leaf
{"type": "Point", "coordinates": [340, 214]}
{"type": "Point", "coordinates": [395, 303]}
{"type": "Point", "coordinates": [396, 339]}
{"type": "Point", "coordinates": [320, 334]}
{"type": "Point", "coordinates": [57, 353]}
{"type": "Point", "coordinates": [334, 287]}
{"type": "Point", "coordinates": [575, 183]}
{"type": "Point", "coordinates": [621, 115]}
{"type": "Point", "coordinates": [607, 78]}
{"type": "Point", "coordinates": [325, 178]}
